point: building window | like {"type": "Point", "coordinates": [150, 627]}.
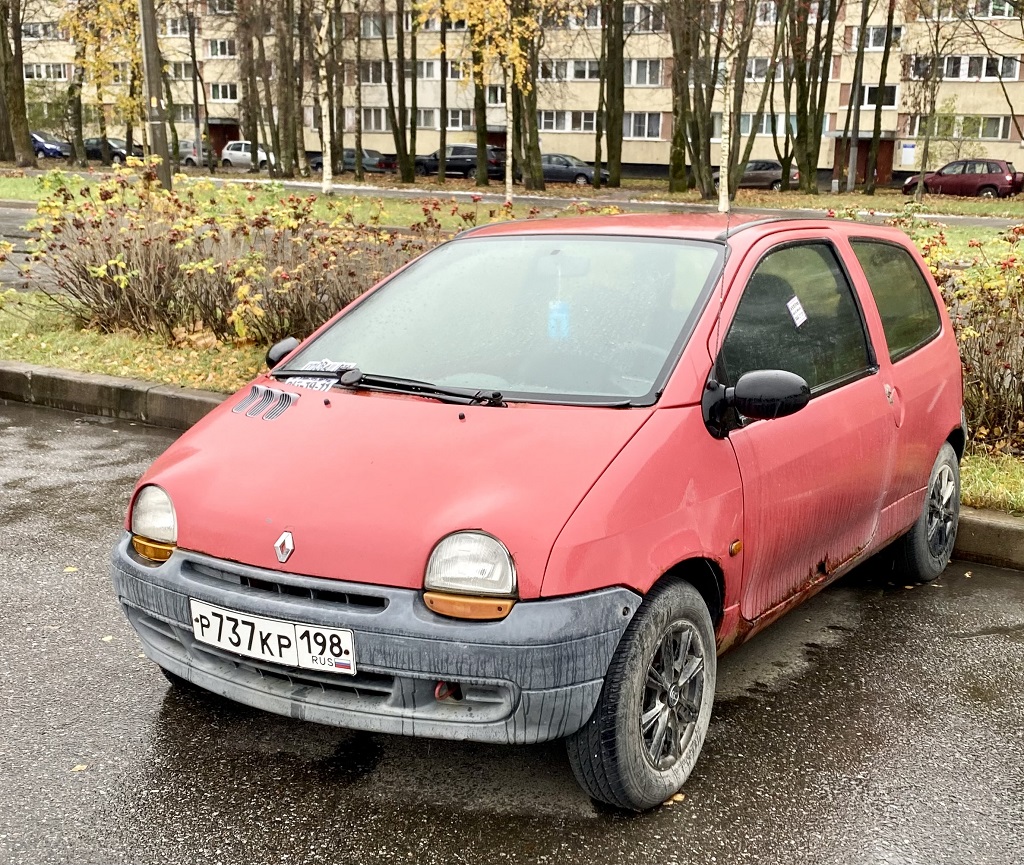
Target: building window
{"type": "Point", "coordinates": [643, 73]}
{"type": "Point", "coordinates": [371, 72]}
{"type": "Point", "coordinates": [41, 30]}
{"type": "Point", "coordinates": [766, 12]}
{"type": "Point", "coordinates": [758, 67]}
{"type": "Point", "coordinates": [460, 118]}
{"type": "Point", "coordinates": [765, 126]}
{"type": "Point", "coordinates": [431, 25]}
{"type": "Point", "coordinates": [874, 38]}
{"type": "Point", "coordinates": [976, 67]}
{"type": "Point", "coordinates": [184, 112]}
{"type": "Point", "coordinates": [495, 94]}
{"type": "Point", "coordinates": [425, 118]}
{"type": "Point", "coordinates": [120, 73]}
{"type": "Point", "coordinates": [586, 70]}
{"type": "Point", "coordinates": [962, 126]}
{"type": "Point", "coordinates": [584, 121]}
{"type": "Point", "coordinates": [591, 17]}
{"type": "Point", "coordinates": [221, 48]}
{"type": "Point", "coordinates": [180, 71]}
{"type": "Point", "coordinates": [223, 92]}
{"type": "Point", "coordinates": [426, 70]}
{"type": "Point", "coordinates": [372, 26]}
{"type": "Point", "coordinates": [173, 26]}
{"type": "Point", "coordinates": [221, 7]}
{"type": "Point", "coordinates": [553, 70]}
{"type": "Point", "coordinates": [376, 120]}
{"type": "Point", "coordinates": [643, 19]}
{"type": "Point", "coordinates": [551, 121]}
{"type": "Point", "coordinates": [994, 9]}
{"type": "Point", "coordinates": [46, 72]}
{"type": "Point", "coordinates": [641, 124]}
{"type": "Point", "coordinates": [870, 96]}
{"type": "Point", "coordinates": [455, 71]}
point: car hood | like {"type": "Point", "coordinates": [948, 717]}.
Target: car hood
{"type": "Point", "coordinates": [368, 483]}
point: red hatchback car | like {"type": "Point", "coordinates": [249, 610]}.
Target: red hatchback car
{"type": "Point", "coordinates": [533, 483]}
{"type": "Point", "coordinates": [987, 178]}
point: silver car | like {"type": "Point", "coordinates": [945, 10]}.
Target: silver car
{"type": "Point", "coordinates": [238, 154]}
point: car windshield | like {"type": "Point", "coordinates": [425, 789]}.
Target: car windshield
{"type": "Point", "coordinates": [579, 163]}
{"type": "Point", "coordinates": [537, 317]}
{"type": "Point", "coordinates": [48, 138]}
{"type": "Point", "coordinates": [116, 142]}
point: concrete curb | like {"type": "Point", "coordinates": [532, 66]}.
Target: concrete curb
{"type": "Point", "coordinates": [106, 395]}
{"type": "Point", "coordinates": [988, 537]}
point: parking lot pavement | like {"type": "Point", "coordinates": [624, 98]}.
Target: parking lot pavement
{"type": "Point", "coordinates": [874, 724]}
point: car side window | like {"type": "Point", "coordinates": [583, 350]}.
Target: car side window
{"type": "Point", "coordinates": [904, 299]}
{"type": "Point", "coordinates": [955, 168]}
{"type": "Point", "coordinates": [994, 168]}
{"type": "Point", "coordinates": [797, 313]}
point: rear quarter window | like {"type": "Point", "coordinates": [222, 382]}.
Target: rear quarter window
{"type": "Point", "coordinates": [904, 299]}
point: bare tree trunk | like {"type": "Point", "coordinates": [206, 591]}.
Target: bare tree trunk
{"type": "Point", "coordinates": [129, 123]}
{"type": "Point", "coordinates": [359, 93]}
{"type": "Point", "coordinates": [876, 132]}
{"type": "Point", "coordinates": [397, 116]}
{"type": "Point", "coordinates": [14, 82]}
{"type": "Point", "coordinates": [75, 106]}
{"type": "Point", "coordinates": [480, 117]}
{"type": "Point", "coordinates": [855, 97]}
{"type": "Point", "coordinates": [442, 157]}
{"type": "Point", "coordinates": [615, 89]}
{"type": "Point", "coordinates": [324, 55]}
{"type": "Point", "coordinates": [172, 127]}
{"type": "Point", "coordinates": [602, 87]}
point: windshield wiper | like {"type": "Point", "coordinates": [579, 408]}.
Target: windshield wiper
{"type": "Point", "coordinates": [355, 378]}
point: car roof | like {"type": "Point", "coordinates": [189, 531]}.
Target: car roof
{"type": "Point", "coordinates": [695, 226]}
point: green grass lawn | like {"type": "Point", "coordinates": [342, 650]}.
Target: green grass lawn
{"type": "Point", "coordinates": [993, 481]}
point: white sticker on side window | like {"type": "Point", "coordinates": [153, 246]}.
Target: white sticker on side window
{"type": "Point", "coordinates": [796, 310]}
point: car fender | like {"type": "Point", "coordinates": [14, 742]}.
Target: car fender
{"type": "Point", "coordinates": [673, 493]}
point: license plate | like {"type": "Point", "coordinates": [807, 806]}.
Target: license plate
{"type": "Point", "coordinates": [291, 644]}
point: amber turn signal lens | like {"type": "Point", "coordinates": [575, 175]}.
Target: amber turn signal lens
{"type": "Point", "coordinates": [152, 550]}
{"type": "Point", "coordinates": [468, 607]}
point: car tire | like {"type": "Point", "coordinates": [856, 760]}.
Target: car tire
{"type": "Point", "coordinates": [117, 159]}
{"type": "Point", "coordinates": [617, 756]}
{"type": "Point", "coordinates": [988, 192]}
{"type": "Point", "coordinates": [190, 162]}
{"type": "Point", "coordinates": [923, 552]}
{"type": "Point", "coordinates": [581, 180]}
{"type": "Point", "coordinates": [225, 163]}
{"type": "Point", "coordinates": [468, 173]}
{"type": "Point", "coordinates": [776, 186]}
{"type": "Point", "coordinates": [262, 164]}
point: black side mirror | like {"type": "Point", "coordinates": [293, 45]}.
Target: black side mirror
{"type": "Point", "coordinates": [766, 394]}
{"type": "Point", "coordinates": [280, 350]}
{"type": "Point", "coordinates": [763, 394]}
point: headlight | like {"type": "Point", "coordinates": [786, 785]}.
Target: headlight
{"type": "Point", "coordinates": [154, 526]}
{"type": "Point", "coordinates": [471, 563]}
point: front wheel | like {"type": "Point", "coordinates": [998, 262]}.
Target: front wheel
{"type": "Point", "coordinates": [643, 739]}
{"type": "Point", "coordinates": [776, 186]}
{"type": "Point", "coordinates": [226, 163]}
{"type": "Point", "coordinates": [923, 552]}
{"type": "Point", "coordinates": [581, 180]}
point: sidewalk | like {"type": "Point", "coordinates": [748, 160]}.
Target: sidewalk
{"type": "Point", "coordinates": [985, 536]}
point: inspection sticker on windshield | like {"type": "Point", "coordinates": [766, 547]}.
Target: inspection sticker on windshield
{"type": "Point", "coordinates": [796, 310]}
{"type": "Point", "coordinates": [317, 383]}
{"type": "Point", "coordinates": [558, 320]}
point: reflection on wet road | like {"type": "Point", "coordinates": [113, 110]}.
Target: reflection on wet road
{"type": "Point", "coordinates": [875, 724]}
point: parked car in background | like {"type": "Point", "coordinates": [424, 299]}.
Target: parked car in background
{"type": "Point", "coordinates": [460, 160]}
{"type": "Point", "coordinates": [984, 177]}
{"type": "Point", "coordinates": [763, 174]}
{"type": "Point", "coordinates": [189, 154]}
{"type": "Point", "coordinates": [582, 456]}
{"type": "Point", "coordinates": [49, 146]}
{"type": "Point", "coordinates": [371, 160]}
{"type": "Point", "coordinates": [118, 149]}
{"type": "Point", "coordinates": [238, 154]}
{"type": "Point", "coordinates": [563, 168]}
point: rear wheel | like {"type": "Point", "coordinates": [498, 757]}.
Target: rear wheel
{"type": "Point", "coordinates": [190, 162]}
{"type": "Point", "coordinates": [263, 164]}
{"type": "Point", "coordinates": [581, 180]}
{"type": "Point", "coordinates": [226, 163]}
{"type": "Point", "coordinates": [987, 192]}
{"type": "Point", "coordinates": [923, 553]}
{"type": "Point", "coordinates": [643, 739]}
{"type": "Point", "coordinates": [776, 185]}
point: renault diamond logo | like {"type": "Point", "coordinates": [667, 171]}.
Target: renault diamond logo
{"type": "Point", "coordinates": [284, 547]}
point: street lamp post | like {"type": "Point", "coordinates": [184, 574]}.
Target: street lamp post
{"type": "Point", "coordinates": [155, 112]}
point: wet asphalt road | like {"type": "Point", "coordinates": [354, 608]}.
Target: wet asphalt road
{"type": "Point", "coordinates": [874, 724]}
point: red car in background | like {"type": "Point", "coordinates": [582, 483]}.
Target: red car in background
{"type": "Point", "coordinates": [987, 178]}
{"type": "Point", "coordinates": [532, 484]}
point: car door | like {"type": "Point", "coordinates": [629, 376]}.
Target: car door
{"type": "Point", "coordinates": [949, 179]}
{"type": "Point", "coordinates": [559, 169]}
{"type": "Point", "coordinates": [814, 482]}
{"type": "Point", "coordinates": [913, 362]}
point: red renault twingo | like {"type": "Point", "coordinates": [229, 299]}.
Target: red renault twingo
{"type": "Point", "coordinates": [532, 484]}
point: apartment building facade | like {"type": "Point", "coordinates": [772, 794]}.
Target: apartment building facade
{"type": "Point", "coordinates": [974, 113]}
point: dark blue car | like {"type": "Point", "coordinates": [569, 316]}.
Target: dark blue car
{"type": "Point", "coordinates": [49, 146]}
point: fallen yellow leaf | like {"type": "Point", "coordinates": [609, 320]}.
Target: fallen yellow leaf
{"type": "Point", "coordinates": [107, 638]}
{"type": "Point", "coordinates": [70, 569]}
{"type": "Point", "coordinates": [81, 767]}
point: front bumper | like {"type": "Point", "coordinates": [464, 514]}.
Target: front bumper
{"type": "Point", "coordinates": [533, 676]}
